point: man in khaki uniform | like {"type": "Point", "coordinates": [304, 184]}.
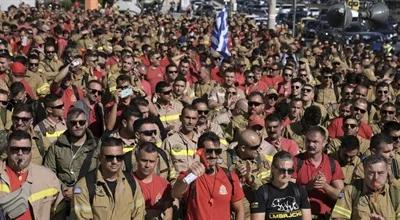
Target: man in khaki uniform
{"type": "Point", "coordinates": [33, 76]}
{"type": "Point", "coordinates": [17, 173]}
{"type": "Point", "coordinates": [204, 85]}
{"type": "Point", "coordinates": [250, 166]}
{"type": "Point", "coordinates": [372, 198]}
{"type": "Point", "coordinates": [238, 121]}
{"type": "Point", "coordinates": [386, 114]}
{"type": "Point", "coordinates": [50, 66]}
{"type": "Point", "coordinates": [168, 108]}
{"type": "Point", "coordinates": [325, 92]}
{"type": "Point", "coordinates": [5, 112]}
{"type": "Point", "coordinates": [53, 126]}
{"type": "Point", "coordinates": [392, 129]}
{"type": "Point", "coordinates": [115, 194]}
{"type": "Point", "coordinates": [182, 145]}
{"type": "Point", "coordinates": [347, 156]}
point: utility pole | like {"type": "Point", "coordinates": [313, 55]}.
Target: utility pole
{"type": "Point", "coordinates": [272, 14]}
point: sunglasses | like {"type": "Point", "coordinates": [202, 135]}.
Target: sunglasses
{"type": "Point", "coordinates": [95, 91]}
{"type": "Point", "coordinates": [307, 90]}
{"type": "Point", "coordinates": [16, 150]}
{"type": "Point", "coordinates": [172, 71]}
{"type": "Point", "coordinates": [58, 106]}
{"type": "Point", "coordinates": [360, 110]}
{"type": "Point", "coordinates": [388, 112]}
{"type": "Point", "coordinates": [78, 122]}
{"type": "Point", "coordinates": [383, 92]}
{"type": "Point", "coordinates": [110, 158]}
{"type": "Point", "coordinates": [122, 87]}
{"type": "Point", "coordinates": [295, 87]}
{"type": "Point", "coordinates": [350, 126]}
{"type": "Point", "coordinates": [4, 102]}
{"type": "Point", "coordinates": [232, 93]}
{"type": "Point", "coordinates": [217, 151]}
{"type": "Point", "coordinates": [250, 76]}
{"type": "Point", "coordinates": [303, 75]}
{"type": "Point", "coordinates": [288, 75]}
{"type": "Point", "coordinates": [34, 64]}
{"type": "Point", "coordinates": [50, 51]}
{"type": "Point", "coordinates": [149, 132]}
{"type": "Point", "coordinates": [273, 97]}
{"type": "Point", "coordinates": [203, 112]}
{"type": "Point", "coordinates": [167, 92]}
{"type": "Point", "coordinates": [328, 77]}
{"type": "Point", "coordinates": [395, 139]}
{"type": "Point", "coordinates": [286, 171]}
{"type": "Point", "coordinates": [23, 119]}
{"type": "Point", "coordinates": [254, 104]}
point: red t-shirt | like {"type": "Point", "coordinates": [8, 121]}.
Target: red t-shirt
{"type": "Point", "coordinates": [159, 189]}
{"type": "Point", "coordinates": [154, 75]}
{"type": "Point", "coordinates": [210, 196]}
{"type": "Point", "coordinates": [256, 87]}
{"type": "Point", "coordinates": [16, 182]}
{"type": "Point", "coordinates": [215, 76]}
{"type": "Point", "coordinates": [319, 200]}
{"type": "Point", "coordinates": [335, 129]}
{"type": "Point", "coordinates": [288, 145]}
{"type": "Point", "coordinates": [272, 82]}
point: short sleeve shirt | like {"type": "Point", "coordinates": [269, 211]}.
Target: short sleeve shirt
{"type": "Point", "coordinates": [282, 203]}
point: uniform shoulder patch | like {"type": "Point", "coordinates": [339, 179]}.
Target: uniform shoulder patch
{"type": "Point", "coordinates": [254, 205]}
{"type": "Point", "coordinates": [77, 190]}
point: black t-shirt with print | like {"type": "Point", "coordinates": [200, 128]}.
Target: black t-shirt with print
{"type": "Point", "coordinates": [282, 203]}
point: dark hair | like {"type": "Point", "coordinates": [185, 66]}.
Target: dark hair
{"type": "Point", "coordinates": [124, 78]}
{"type": "Point", "coordinates": [282, 110]}
{"type": "Point", "coordinates": [317, 129]}
{"type": "Point", "coordinates": [281, 155]}
{"type": "Point", "coordinates": [273, 117]}
{"type": "Point", "coordinates": [17, 136]}
{"type": "Point", "coordinates": [200, 100]}
{"type": "Point", "coordinates": [300, 80]}
{"type": "Point", "coordinates": [349, 143]}
{"type": "Point", "coordinates": [49, 99]}
{"type": "Point", "coordinates": [378, 139]}
{"type": "Point", "coordinates": [16, 87]}
{"type": "Point", "coordinates": [111, 142]}
{"type": "Point", "coordinates": [312, 115]}
{"type": "Point", "coordinates": [22, 108]}
{"type": "Point", "coordinates": [388, 104]}
{"type": "Point", "coordinates": [147, 147]}
{"type": "Point", "coordinates": [256, 93]}
{"type": "Point", "coordinates": [94, 81]}
{"type": "Point", "coordinates": [374, 159]}
{"type": "Point", "coordinates": [131, 110]}
{"type": "Point", "coordinates": [160, 85]}
{"type": "Point", "coordinates": [141, 121]}
{"type": "Point", "coordinates": [208, 136]}
{"type": "Point", "coordinates": [390, 126]}
{"type": "Point", "coordinates": [179, 78]}
{"type": "Point", "coordinates": [381, 85]}
{"type": "Point", "coordinates": [140, 101]}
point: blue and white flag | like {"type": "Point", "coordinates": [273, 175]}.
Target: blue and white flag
{"type": "Point", "coordinates": [219, 38]}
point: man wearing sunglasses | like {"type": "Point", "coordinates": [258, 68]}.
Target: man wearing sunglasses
{"type": "Point", "coordinates": [215, 190]}
{"type": "Point", "coordinates": [392, 129]}
{"type": "Point", "coordinates": [33, 76]}
{"type": "Point", "coordinates": [51, 64]}
{"type": "Point", "coordinates": [308, 95]}
{"type": "Point", "coordinates": [387, 113]}
{"type": "Point", "coordinates": [74, 153]}
{"type": "Point", "coordinates": [252, 168]}
{"type": "Point", "coordinates": [54, 124]}
{"type": "Point", "coordinates": [5, 110]}
{"type": "Point", "coordinates": [25, 181]}
{"type": "Point", "coordinates": [108, 192]}
{"type": "Point", "coordinates": [92, 104]}
{"type": "Point", "coordinates": [325, 92]}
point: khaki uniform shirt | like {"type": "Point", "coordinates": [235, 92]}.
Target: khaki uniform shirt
{"type": "Point", "coordinates": [50, 68]}
{"type": "Point", "coordinates": [347, 168]}
{"type": "Point", "coordinates": [216, 128]}
{"type": "Point", "coordinates": [169, 114]}
{"type": "Point", "coordinates": [45, 192]}
{"type": "Point", "coordinates": [218, 95]}
{"type": "Point", "coordinates": [334, 145]}
{"type": "Point", "coordinates": [50, 130]}
{"type": "Point", "coordinates": [203, 89]}
{"type": "Point", "coordinates": [105, 205]}
{"type": "Point", "coordinates": [296, 132]}
{"type": "Point", "coordinates": [34, 80]}
{"type": "Point", "coordinates": [181, 150]}
{"type": "Point", "coordinates": [6, 125]}
{"type": "Point", "coordinates": [326, 96]}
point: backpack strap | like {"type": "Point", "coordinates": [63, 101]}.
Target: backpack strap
{"type": "Point", "coordinates": [86, 164]}
{"type": "Point", "coordinates": [164, 156]}
{"type": "Point", "coordinates": [91, 183]}
{"type": "Point", "coordinates": [42, 128]}
{"type": "Point", "coordinates": [128, 161]}
{"type": "Point", "coordinates": [300, 162]}
{"type": "Point", "coordinates": [356, 191]}
{"type": "Point", "coordinates": [40, 143]}
{"type": "Point", "coordinates": [131, 181]}
{"type": "Point", "coordinates": [232, 157]}
{"type": "Point", "coordinates": [76, 93]}
{"type": "Point", "coordinates": [332, 165]}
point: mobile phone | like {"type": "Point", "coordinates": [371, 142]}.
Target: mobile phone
{"type": "Point", "coordinates": [202, 154]}
{"type": "Point", "coordinates": [126, 92]}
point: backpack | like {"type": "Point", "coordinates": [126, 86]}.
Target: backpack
{"type": "Point", "coordinates": [91, 184]}
{"type": "Point", "coordinates": [357, 187]}
{"type": "Point", "coordinates": [300, 162]}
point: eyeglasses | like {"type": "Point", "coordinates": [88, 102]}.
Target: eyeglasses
{"type": "Point", "coordinates": [217, 151]}
{"type": "Point", "coordinates": [95, 91]}
{"type": "Point", "coordinates": [388, 112]}
{"type": "Point", "coordinates": [23, 119]}
{"type": "Point", "coordinates": [251, 103]}
{"type": "Point", "coordinates": [307, 90]}
{"type": "Point", "coordinates": [167, 92]}
{"type": "Point", "coordinates": [58, 106]}
{"type": "Point", "coordinates": [286, 171]}
{"type": "Point", "coordinates": [359, 110]}
{"type": "Point", "coordinates": [350, 126]}
{"type": "Point", "coordinates": [382, 91]}
{"type": "Point", "coordinates": [149, 132]}
{"type": "Point", "coordinates": [78, 122]}
{"type": "Point", "coordinates": [136, 63]}
{"type": "Point", "coordinates": [348, 93]}
{"type": "Point", "coordinates": [16, 150]}
{"type": "Point", "coordinates": [110, 158]}
{"type": "Point", "coordinates": [203, 112]}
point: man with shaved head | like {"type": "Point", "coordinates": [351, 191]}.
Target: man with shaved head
{"type": "Point", "coordinates": [244, 158]}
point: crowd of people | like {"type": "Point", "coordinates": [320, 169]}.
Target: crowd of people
{"type": "Point", "coordinates": [108, 115]}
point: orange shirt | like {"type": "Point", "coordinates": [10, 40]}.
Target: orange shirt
{"type": "Point", "coordinates": [154, 75]}
{"type": "Point", "coordinates": [16, 181]}
{"type": "Point", "coordinates": [272, 82]}
{"type": "Point", "coordinates": [156, 193]}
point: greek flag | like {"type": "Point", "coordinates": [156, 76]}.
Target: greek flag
{"type": "Point", "coordinates": [219, 38]}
